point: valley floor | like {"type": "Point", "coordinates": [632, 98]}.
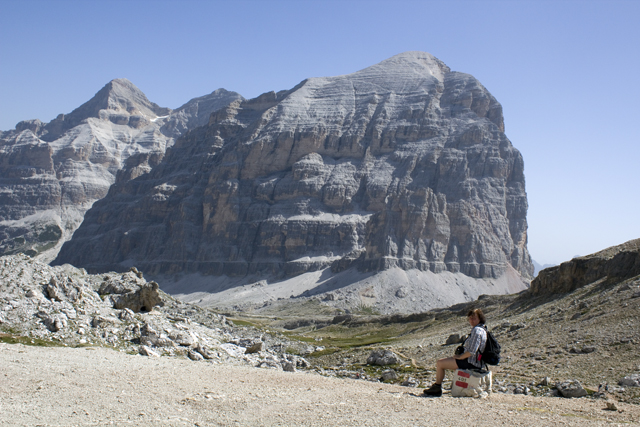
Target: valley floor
{"type": "Point", "coordinates": [57, 386]}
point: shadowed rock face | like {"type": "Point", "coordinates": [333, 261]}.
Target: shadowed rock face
{"type": "Point", "coordinates": [403, 164]}
{"type": "Point", "coordinates": [50, 174]}
{"type": "Point", "coordinates": [615, 263]}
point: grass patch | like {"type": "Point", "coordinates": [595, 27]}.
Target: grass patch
{"type": "Point", "coordinates": [302, 338]}
{"type": "Point", "coordinates": [13, 339]}
{"type": "Point", "coordinates": [368, 310]}
{"type": "Point", "coordinates": [357, 341]}
{"type": "Point", "coordinates": [325, 352]}
{"type": "Point", "coordinates": [240, 322]}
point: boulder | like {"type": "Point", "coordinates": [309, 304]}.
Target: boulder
{"type": "Point", "coordinates": [183, 338]}
{"type": "Point", "coordinates": [571, 388]}
{"type": "Point", "coordinates": [288, 366]}
{"type": "Point", "coordinates": [136, 296]}
{"type": "Point", "coordinates": [389, 375]}
{"type": "Point", "coordinates": [632, 380]}
{"type": "Point", "coordinates": [205, 352]}
{"type": "Point", "coordinates": [382, 358]}
{"type": "Point", "coordinates": [104, 321]}
{"type": "Point", "coordinates": [455, 339]}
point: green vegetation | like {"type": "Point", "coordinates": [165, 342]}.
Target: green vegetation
{"type": "Point", "coordinates": [50, 233]}
{"type": "Point", "coordinates": [240, 322]}
{"type": "Point", "coordinates": [325, 352]}
{"type": "Point", "coordinates": [367, 310]}
{"type": "Point", "coordinates": [16, 339]}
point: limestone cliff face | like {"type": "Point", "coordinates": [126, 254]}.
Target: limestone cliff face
{"type": "Point", "coordinates": [50, 174]}
{"type": "Point", "coordinates": [402, 164]}
{"type": "Point", "coordinates": [615, 263]}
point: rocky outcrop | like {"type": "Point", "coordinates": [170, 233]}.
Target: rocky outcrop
{"type": "Point", "coordinates": [615, 263]}
{"type": "Point", "coordinates": [403, 164]}
{"type": "Point", "coordinates": [131, 292]}
{"type": "Point", "coordinates": [66, 306]}
{"type": "Point", "coordinates": [197, 112]}
{"type": "Point", "coordinates": [50, 174]}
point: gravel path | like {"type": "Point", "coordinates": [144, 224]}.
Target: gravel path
{"type": "Point", "coordinates": [97, 386]}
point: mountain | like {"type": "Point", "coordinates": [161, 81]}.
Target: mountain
{"type": "Point", "coordinates": [537, 267]}
{"type": "Point", "coordinates": [611, 265]}
{"type": "Point", "coordinates": [401, 166]}
{"type": "Point", "coordinates": [51, 173]}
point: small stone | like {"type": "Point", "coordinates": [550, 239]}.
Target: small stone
{"type": "Point", "coordinates": [146, 351]}
{"type": "Point", "coordinates": [194, 355]}
{"type": "Point", "coordinates": [611, 406]}
{"type": "Point", "coordinates": [454, 339]}
{"type": "Point", "coordinates": [546, 381]}
{"type": "Point", "coordinates": [288, 366]}
{"type": "Point", "coordinates": [516, 327]}
{"type": "Point", "coordinates": [126, 315]}
{"type": "Point", "coordinates": [410, 382]}
{"type": "Point", "coordinates": [104, 321]}
{"type": "Point", "coordinates": [389, 375]}
{"type": "Point", "coordinates": [254, 347]}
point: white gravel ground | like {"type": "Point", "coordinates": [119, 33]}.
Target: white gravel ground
{"type": "Point", "coordinates": [97, 386]}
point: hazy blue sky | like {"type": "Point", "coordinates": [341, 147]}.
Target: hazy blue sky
{"type": "Point", "coordinates": [566, 73]}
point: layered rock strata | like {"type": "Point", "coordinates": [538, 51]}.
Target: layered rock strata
{"type": "Point", "coordinates": [614, 264]}
{"type": "Point", "coordinates": [404, 163]}
{"type": "Point", "coordinates": [51, 173]}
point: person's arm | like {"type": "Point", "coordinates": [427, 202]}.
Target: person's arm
{"type": "Point", "coordinates": [464, 355]}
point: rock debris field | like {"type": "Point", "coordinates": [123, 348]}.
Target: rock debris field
{"type": "Point", "coordinates": [112, 349]}
{"type": "Point", "coordinates": [55, 386]}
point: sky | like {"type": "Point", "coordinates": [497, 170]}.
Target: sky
{"type": "Point", "coordinates": [563, 70]}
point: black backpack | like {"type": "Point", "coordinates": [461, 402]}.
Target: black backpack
{"type": "Point", "coordinates": [491, 353]}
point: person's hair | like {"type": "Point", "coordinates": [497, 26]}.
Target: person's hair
{"type": "Point", "coordinates": [480, 314]}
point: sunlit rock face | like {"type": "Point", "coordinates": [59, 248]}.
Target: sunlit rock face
{"type": "Point", "coordinates": [51, 173]}
{"type": "Point", "coordinates": [404, 163]}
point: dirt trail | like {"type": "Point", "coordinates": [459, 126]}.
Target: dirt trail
{"type": "Point", "coordinates": [97, 386]}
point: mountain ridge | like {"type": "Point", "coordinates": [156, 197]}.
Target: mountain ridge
{"type": "Point", "coordinates": [51, 173]}
{"type": "Point", "coordinates": [380, 168]}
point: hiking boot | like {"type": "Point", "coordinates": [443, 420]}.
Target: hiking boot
{"type": "Point", "coordinates": [435, 390]}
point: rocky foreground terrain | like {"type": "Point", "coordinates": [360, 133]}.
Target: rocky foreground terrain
{"type": "Point", "coordinates": [112, 348]}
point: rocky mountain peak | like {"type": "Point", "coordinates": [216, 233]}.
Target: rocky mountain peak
{"type": "Point", "coordinates": [402, 165]}
{"type": "Point", "coordinates": [122, 95]}
{"type": "Point", "coordinates": [51, 173]}
{"type": "Point", "coordinates": [412, 62]}
{"type": "Point", "coordinates": [119, 101]}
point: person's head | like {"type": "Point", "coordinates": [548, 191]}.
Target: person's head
{"type": "Point", "coordinates": [476, 316]}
